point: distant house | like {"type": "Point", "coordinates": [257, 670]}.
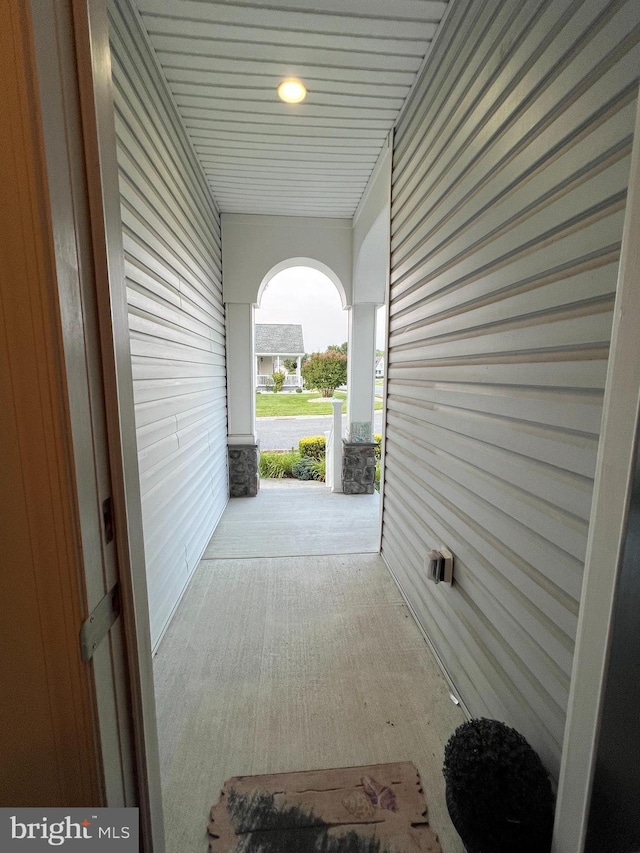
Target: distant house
{"type": "Point", "coordinates": [380, 367]}
{"type": "Point", "coordinates": [275, 343]}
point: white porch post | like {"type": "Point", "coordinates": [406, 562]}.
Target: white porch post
{"type": "Point", "coordinates": [241, 362]}
{"type": "Point", "coordinates": [241, 400]}
{"type": "Point", "coordinates": [298, 369]}
{"type": "Point", "coordinates": [361, 363]}
{"type": "Point", "coordinates": [334, 449]}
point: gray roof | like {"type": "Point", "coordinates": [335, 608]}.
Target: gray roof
{"type": "Point", "coordinates": [279, 339]}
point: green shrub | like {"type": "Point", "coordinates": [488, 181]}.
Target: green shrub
{"type": "Point", "coordinates": [376, 481]}
{"type": "Point", "coordinates": [314, 446]}
{"type": "Point", "coordinates": [298, 390]}
{"type": "Point", "coordinates": [378, 439]}
{"type": "Point", "coordinates": [278, 464]}
{"type": "Point", "coordinates": [278, 381]}
{"type": "Point", "coordinates": [320, 468]}
{"type": "Point", "coordinates": [303, 469]}
{"type": "Point", "coordinates": [307, 468]}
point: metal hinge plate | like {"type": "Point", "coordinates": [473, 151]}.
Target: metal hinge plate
{"type": "Point", "coordinates": [97, 626]}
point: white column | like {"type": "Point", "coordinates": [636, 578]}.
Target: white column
{"type": "Point", "coordinates": [361, 363]}
{"type": "Point", "coordinates": [241, 374]}
{"type": "Point", "coordinates": [298, 368]}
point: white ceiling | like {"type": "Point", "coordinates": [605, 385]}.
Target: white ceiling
{"type": "Point", "coordinates": [223, 61]}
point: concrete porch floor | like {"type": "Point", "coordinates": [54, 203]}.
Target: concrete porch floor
{"type": "Point", "coordinates": [289, 517]}
{"type": "Point", "coordinates": [294, 663]}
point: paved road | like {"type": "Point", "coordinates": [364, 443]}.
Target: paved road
{"type": "Point", "coordinates": [285, 433]}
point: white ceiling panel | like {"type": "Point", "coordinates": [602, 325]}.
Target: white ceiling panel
{"type": "Point", "coordinates": [224, 60]}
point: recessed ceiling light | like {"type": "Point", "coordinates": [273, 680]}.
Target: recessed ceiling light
{"type": "Point", "coordinates": [292, 91]}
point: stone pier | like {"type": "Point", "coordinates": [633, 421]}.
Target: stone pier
{"type": "Point", "coordinates": [244, 479]}
{"type": "Point", "coordinates": [358, 467]}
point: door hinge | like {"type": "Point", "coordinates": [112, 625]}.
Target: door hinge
{"type": "Point", "coordinates": [97, 625]}
{"type": "Point", "coordinates": [107, 519]}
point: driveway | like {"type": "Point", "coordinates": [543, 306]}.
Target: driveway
{"type": "Point", "coordinates": [285, 433]}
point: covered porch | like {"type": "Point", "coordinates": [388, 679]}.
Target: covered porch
{"type": "Point", "coordinates": [487, 214]}
{"type": "Point", "coordinates": [293, 650]}
{"type": "Point", "coordinates": [264, 381]}
{"type": "Point", "coordinates": [488, 211]}
{"type": "Point", "coordinates": [279, 348]}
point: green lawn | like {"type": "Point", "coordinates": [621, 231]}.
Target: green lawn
{"type": "Point", "coordinates": [270, 405]}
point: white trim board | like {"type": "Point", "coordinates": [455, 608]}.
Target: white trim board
{"type": "Point", "coordinates": [614, 474]}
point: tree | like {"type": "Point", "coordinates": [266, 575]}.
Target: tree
{"type": "Point", "coordinates": [338, 348]}
{"type": "Point", "coordinates": [325, 371]}
{"type": "Point", "coordinates": [291, 364]}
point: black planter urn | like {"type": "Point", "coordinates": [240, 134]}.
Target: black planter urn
{"type": "Point", "coordinates": [498, 793]}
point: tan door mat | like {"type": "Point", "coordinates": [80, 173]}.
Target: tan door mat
{"type": "Point", "coordinates": [375, 809]}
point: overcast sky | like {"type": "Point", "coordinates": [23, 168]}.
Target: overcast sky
{"type": "Point", "coordinates": [303, 295]}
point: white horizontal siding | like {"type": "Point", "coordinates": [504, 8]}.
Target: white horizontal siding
{"type": "Point", "coordinates": [511, 164]}
{"type": "Point", "coordinates": [176, 320]}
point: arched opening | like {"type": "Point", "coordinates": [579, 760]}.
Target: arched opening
{"type": "Point", "coordinates": [300, 314]}
{"type": "Point", "coordinates": [302, 263]}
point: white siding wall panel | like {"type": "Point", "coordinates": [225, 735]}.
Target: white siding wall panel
{"type": "Point", "coordinates": [176, 317]}
{"type": "Point", "coordinates": [511, 164]}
